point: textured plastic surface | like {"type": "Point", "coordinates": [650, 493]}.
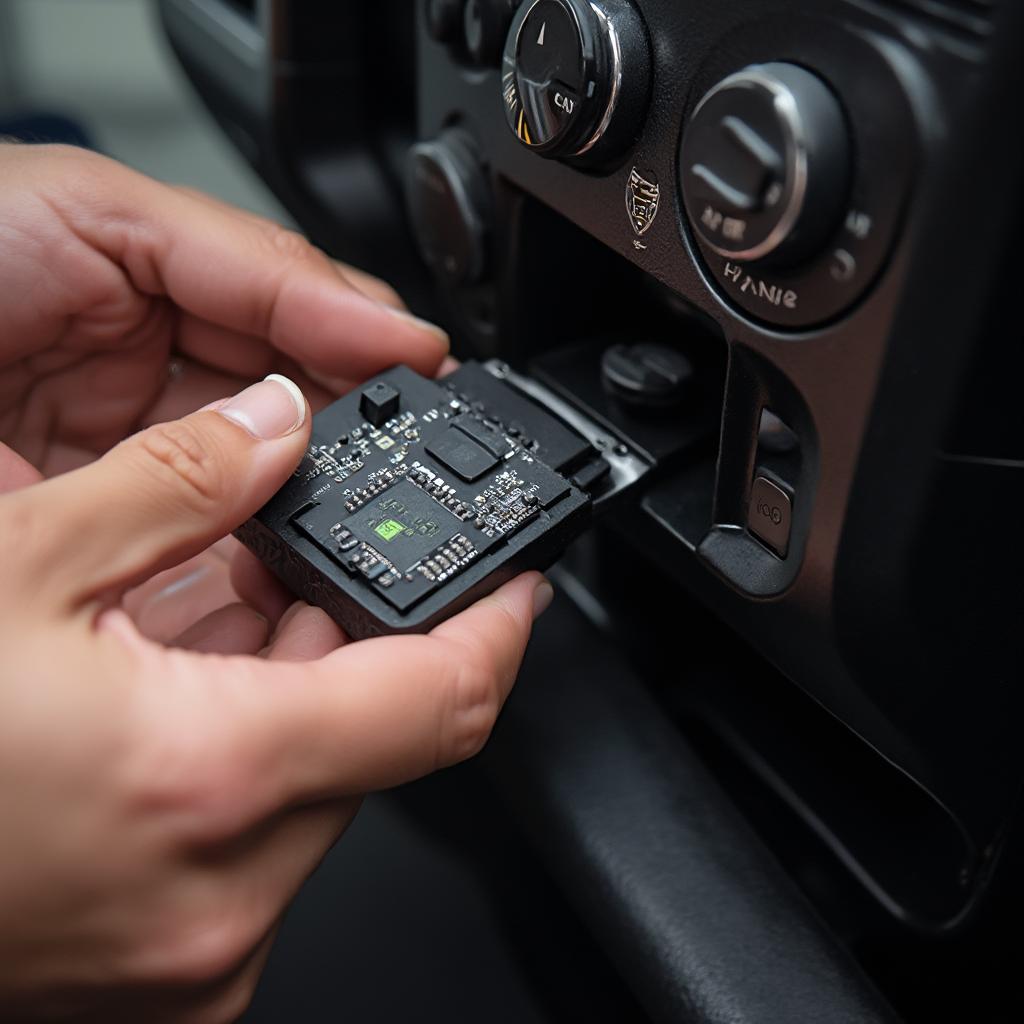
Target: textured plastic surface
{"type": "Point", "coordinates": [697, 915]}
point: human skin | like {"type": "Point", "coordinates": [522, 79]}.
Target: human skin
{"type": "Point", "coordinates": [180, 743]}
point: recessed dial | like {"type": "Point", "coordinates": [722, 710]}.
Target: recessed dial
{"type": "Point", "coordinates": [485, 24]}
{"type": "Point", "coordinates": [449, 205]}
{"type": "Point", "coordinates": [765, 164]}
{"type": "Point", "coordinates": [575, 76]}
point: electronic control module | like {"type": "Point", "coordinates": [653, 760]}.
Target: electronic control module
{"type": "Point", "coordinates": [416, 497]}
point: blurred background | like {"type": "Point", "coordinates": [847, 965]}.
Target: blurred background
{"type": "Point", "coordinates": [102, 68]}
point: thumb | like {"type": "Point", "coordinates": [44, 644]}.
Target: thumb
{"type": "Point", "coordinates": [161, 496]}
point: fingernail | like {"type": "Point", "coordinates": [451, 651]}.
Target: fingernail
{"type": "Point", "coordinates": [423, 325]}
{"type": "Point", "coordinates": [542, 598]}
{"type": "Point", "coordinates": [272, 408]}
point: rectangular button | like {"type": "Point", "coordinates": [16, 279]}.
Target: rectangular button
{"type": "Point", "coordinates": [770, 515]}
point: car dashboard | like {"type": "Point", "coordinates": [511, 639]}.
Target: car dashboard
{"type": "Point", "coordinates": [766, 743]}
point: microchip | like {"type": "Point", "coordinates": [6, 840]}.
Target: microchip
{"type": "Point", "coordinates": [463, 456]}
{"type": "Point", "coordinates": [404, 524]}
{"type": "Point", "coordinates": [485, 436]}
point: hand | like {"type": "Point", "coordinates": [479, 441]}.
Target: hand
{"type": "Point", "coordinates": [106, 275]}
{"type": "Point", "coordinates": [124, 303]}
{"type": "Point", "coordinates": [160, 805]}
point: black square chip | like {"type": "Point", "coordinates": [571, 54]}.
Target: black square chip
{"type": "Point", "coordinates": [461, 454]}
{"type": "Point", "coordinates": [404, 524]}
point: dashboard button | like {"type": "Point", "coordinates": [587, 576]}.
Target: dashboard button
{"type": "Point", "coordinates": [770, 515]}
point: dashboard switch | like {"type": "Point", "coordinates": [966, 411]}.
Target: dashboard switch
{"type": "Point", "coordinates": [765, 164]}
{"type": "Point", "coordinates": [575, 76]}
{"type": "Point", "coordinates": [770, 515]}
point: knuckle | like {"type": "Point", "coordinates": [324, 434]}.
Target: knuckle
{"type": "Point", "coordinates": [189, 776]}
{"type": "Point", "coordinates": [178, 451]}
{"type": "Point", "coordinates": [377, 289]}
{"type": "Point", "coordinates": [288, 243]}
{"type": "Point", "coordinates": [200, 800]}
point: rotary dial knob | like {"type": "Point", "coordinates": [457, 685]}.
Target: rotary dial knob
{"type": "Point", "coordinates": [449, 205]}
{"type": "Point", "coordinates": [575, 76]}
{"type": "Point", "coordinates": [765, 165]}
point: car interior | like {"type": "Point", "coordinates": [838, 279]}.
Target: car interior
{"type": "Point", "coordinates": [764, 758]}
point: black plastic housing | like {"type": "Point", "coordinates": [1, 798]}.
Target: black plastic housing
{"type": "Point", "coordinates": [337, 480]}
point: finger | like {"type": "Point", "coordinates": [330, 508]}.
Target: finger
{"type": "Point", "coordinates": [214, 353]}
{"type": "Point", "coordinates": [316, 394]}
{"type": "Point", "coordinates": [331, 383]}
{"type": "Point", "coordinates": [380, 712]}
{"type": "Point", "coordinates": [192, 385]}
{"type": "Point", "coordinates": [371, 286]}
{"type": "Point", "coordinates": [305, 634]}
{"type": "Point", "coordinates": [226, 548]}
{"type": "Point", "coordinates": [159, 497]}
{"type": "Point", "coordinates": [170, 602]}
{"type": "Point", "coordinates": [252, 277]}
{"type": "Point", "coordinates": [209, 344]}
{"type": "Point", "coordinates": [258, 587]}
{"type": "Point", "coordinates": [233, 629]}
{"type": "Point", "coordinates": [448, 365]}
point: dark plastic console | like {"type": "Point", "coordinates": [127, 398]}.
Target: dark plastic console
{"type": "Point", "coordinates": [772, 248]}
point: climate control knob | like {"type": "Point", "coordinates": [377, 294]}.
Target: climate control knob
{"type": "Point", "coordinates": [448, 200]}
{"type": "Point", "coordinates": [765, 165]}
{"type": "Point", "coordinates": [576, 76]}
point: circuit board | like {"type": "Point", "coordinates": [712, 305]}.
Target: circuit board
{"type": "Point", "coordinates": [416, 497]}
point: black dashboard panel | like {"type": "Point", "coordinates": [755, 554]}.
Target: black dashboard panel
{"type": "Point", "coordinates": [815, 204]}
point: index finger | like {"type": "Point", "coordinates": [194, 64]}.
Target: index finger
{"type": "Point", "coordinates": [241, 273]}
{"type": "Point", "coordinates": [380, 712]}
